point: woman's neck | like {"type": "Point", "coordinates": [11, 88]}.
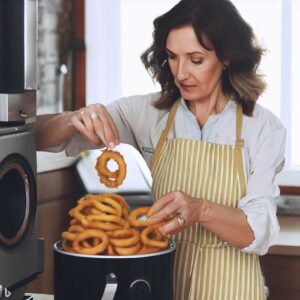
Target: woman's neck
{"type": "Point", "coordinates": [204, 109]}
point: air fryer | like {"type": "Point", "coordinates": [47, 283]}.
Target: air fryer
{"type": "Point", "coordinates": [81, 277]}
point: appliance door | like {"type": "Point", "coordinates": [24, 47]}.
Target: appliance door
{"type": "Point", "coordinates": [17, 200]}
{"type": "Point", "coordinates": [18, 45]}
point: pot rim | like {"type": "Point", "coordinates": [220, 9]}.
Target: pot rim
{"type": "Point", "coordinates": [58, 248]}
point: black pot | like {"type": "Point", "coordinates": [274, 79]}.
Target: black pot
{"type": "Point", "coordinates": [84, 277]}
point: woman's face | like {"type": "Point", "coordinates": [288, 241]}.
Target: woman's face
{"type": "Point", "coordinates": [196, 71]}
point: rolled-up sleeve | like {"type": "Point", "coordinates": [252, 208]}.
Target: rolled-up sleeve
{"type": "Point", "coordinates": [259, 202]}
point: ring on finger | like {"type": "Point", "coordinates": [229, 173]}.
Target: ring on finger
{"type": "Point", "coordinates": [181, 221]}
{"type": "Point", "coordinates": [81, 112]}
{"type": "Point", "coordinates": [94, 115]}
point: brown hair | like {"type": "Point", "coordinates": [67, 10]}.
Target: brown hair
{"type": "Point", "coordinates": [231, 38]}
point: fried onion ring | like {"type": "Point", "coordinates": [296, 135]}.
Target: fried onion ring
{"type": "Point", "coordinates": [162, 244]}
{"type": "Point", "coordinates": [135, 214]}
{"type": "Point", "coordinates": [88, 234]}
{"type": "Point", "coordinates": [121, 200]}
{"type": "Point", "coordinates": [67, 246]}
{"type": "Point", "coordinates": [77, 212]}
{"type": "Point", "coordinates": [102, 224]}
{"type": "Point", "coordinates": [124, 237]}
{"type": "Point", "coordinates": [107, 222]}
{"type": "Point", "coordinates": [128, 250]}
{"type": "Point", "coordinates": [148, 250]}
{"type": "Point", "coordinates": [107, 205]}
{"type": "Point", "coordinates": [110, 250]}
{"type": "Point", "coordinates": [111, 179]}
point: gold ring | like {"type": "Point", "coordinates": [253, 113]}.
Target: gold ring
{"type": "Point", "coordinates": [181, 221]}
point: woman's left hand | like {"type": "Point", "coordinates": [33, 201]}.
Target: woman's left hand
{"type": "Point", "coordinates": [181, 209]}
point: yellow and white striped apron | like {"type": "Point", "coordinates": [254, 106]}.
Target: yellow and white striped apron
{"type": "Point", "coordinates": [206, 268]}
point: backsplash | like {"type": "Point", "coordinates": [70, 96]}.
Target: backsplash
{"type": "Point", "coordinates": [53, 50]}
{"type": "Point", "coordinates": [288, 205]}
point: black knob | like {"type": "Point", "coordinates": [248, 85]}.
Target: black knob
{"type": "Point", "coordinates": [140, 289]}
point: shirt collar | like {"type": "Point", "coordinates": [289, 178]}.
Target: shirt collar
{"type": "Point", "coordinates": [231, 105]}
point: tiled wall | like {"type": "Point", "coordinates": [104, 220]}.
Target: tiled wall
{"type": "Point", "coordinates": [53, 47]}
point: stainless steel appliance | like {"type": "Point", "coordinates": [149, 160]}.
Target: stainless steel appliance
{"type": "Point", "coordinates": [18, 52]}
{"type": "Point", "coordinates": [82, 277]}
{"type": "Point", "coordinates": [21, 252]}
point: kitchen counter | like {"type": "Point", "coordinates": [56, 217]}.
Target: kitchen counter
{"type": "Point", "coordinates": [289, 237]}
{"type": "Point", "coordinates": [47, 161]}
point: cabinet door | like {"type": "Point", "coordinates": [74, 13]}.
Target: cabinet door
{"type": "Point", "coordinates": [281, 276]}
{"type": "Point", "coordinates": [57, 193]}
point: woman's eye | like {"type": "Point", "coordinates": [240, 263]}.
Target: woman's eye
{"type": "Point", "coordinates": [197, 61]}
{"type": "Point", "coordinates": [171, 56]}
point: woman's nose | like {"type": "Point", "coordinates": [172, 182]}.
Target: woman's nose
{"type": "Point", "coordinates": [182, 72]}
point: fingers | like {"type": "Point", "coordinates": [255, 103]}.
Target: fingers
{"type": "Point", "coordinates": [171, 227]}
{"type": "Point", "coordinates": [110, 131]}
{"type": "Point", "coordinates": [96, 124]}
{"type": "Point", "coordinates": [178, 208]}
{"type": "Point", "coordinates": [80, 125]}
{"type": "Point", "coordinates": [160, 203]}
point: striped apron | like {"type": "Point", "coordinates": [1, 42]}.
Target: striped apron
{"type": "Point", "coordinates": [206, 267]}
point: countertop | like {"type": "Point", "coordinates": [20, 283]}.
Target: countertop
{"type": "Point", "coordinates": [288, 242]}
{"type": "Point", "coordinates": [47, 161]}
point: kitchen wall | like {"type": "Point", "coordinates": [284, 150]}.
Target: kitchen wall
{"type": "Point", "coordinates": [54, 48]}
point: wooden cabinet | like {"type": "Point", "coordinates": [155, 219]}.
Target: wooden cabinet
{"type": "Point", "coordinates": [282, 274]}
{"type": "Point", "coordinates": [57, 192]}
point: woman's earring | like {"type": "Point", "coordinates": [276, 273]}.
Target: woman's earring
{"type": "Point", "coordinates": [225, 67]}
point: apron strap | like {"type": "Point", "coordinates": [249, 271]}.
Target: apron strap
{"type": "Point", "coordinates": [238, 151]}
{"type": "Point", "coordinates": [239, 142]}
{"type": "Point", "coordinates": [165, 133]}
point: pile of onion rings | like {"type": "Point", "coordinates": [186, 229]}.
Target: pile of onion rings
{"type": "Point", "coordinates": [112, 179]}
{"type": "Point", "coordinates": [102, 224]}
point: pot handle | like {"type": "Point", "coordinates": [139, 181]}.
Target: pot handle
{"type": "Point", "coordinates": [111, 287]}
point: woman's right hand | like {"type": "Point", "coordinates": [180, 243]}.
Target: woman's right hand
{"type": "Point", "coordinates": [96, 124]}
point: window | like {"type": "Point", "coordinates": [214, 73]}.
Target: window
{"type": "Point", "coordinates": [276, 24]}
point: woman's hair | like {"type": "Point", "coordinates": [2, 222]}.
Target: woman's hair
{"type": "Point", "coordinates": [230, 37]}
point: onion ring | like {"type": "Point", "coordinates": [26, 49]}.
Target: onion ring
{"type": "Point", "coordinates": [75, 229]}
{"type": "Point", "coordinates": [111, 179]}
{"type": "Point", "coordinates": [148, 250]}
{"type": "Point", "coordinates": [110, 250]}
{"type": "Point", "coordinates": [106, 205]}
{"type": "Point", "coordinates": [87, 234]}
{"type": "Point", "coordinates": [121, 200]}
{"type": "Point", "coordinates": [68, 236]}
{"type": "Point", "coordinates": [78, 214]}
{"type": "Point", "coordinates": [107, 222]}
{"type": "Point", "coordinates": [125, 237]}
{"type": "Point", "coordinates": [67, 246]}
{"type": "Point", "coordinates": [162, 244]}
{"type": "Point", "coordinates": [135, 214]}
{"type": "Point", "coordinates": [128, 250]}
{"type": "Point", "coordinates": [102, 224]}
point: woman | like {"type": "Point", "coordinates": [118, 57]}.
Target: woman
{"type": "Point", "coordinates": [214, 152]}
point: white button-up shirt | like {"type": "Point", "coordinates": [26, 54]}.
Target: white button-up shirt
{"type": "Point", "coordinates": [140, 125]}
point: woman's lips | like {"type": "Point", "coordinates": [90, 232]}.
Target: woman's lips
{"type": "Point", "coordinates": [187, 87]}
